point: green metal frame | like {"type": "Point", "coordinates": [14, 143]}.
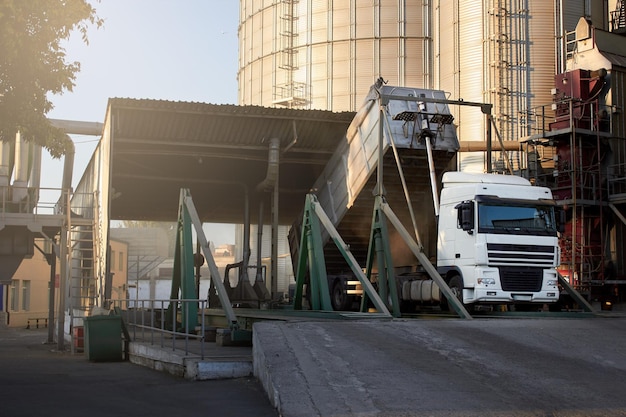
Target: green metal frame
{"type": "Point", "coordinates": [576, 296]}
{"type": "Point", "coordinates": [386, 212]}
{"type": "Point", "coordinates": [184, 269]}
{"type": "Point", "coordinates": [380, 249]}
{"type": "Point", "coordinates": [183, 277]}
{"type": "Point", "coordinates": [312, 255]}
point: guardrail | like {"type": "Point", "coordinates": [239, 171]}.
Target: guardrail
{"type": "Point", "coordinates": [151, 321]}
{"type": "Point", "coordinates": [590, 115]}
{"type": "Point", "coordinates": [43, 201]}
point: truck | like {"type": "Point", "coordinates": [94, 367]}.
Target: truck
{"type": "Point", "coordinates": [493, 238]}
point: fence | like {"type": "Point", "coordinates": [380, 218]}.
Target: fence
{"type": "Point", "coordinates": [152, 321]}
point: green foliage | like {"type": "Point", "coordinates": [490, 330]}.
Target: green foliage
{"type": "Point", "coordinates": [33, 64]}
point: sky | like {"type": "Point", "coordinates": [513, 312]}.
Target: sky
{"type": "Point", "coordinates": [178, 50]}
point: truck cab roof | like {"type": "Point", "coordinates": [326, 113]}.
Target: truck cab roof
{"type": "Point", "coordinates": [450, 179]}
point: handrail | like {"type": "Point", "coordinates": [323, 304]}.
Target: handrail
{"type": "Point", "coordinates": [147, 320]}
{"type": "Point", "coordinates": [538, 119]}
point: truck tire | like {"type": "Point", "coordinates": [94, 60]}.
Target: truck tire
{"type": "Point", "coordinates": [338, 297]}
{"type": "Point", "coordinates": [456, 286]}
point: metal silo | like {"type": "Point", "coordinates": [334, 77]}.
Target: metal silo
{"type": "Point", "coordinates": [495, 51]}
{"type": "Point", "coordinates": [326, 55]}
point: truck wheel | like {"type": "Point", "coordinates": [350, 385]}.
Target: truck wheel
{"type": "Point", "coordinates": [456, 286]}
{"type": "Point", "coordinates": [338, 296]}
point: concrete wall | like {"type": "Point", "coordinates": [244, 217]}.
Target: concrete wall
{"type": "Point", "coordinates": [119, 269]}
{"type": "Point", "coordinates": [30, 283]}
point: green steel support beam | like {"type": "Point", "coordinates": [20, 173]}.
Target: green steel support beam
{"type": "Point", "coordinates": [183, 279]}
{"type": "Point", "coordinates": [184, 252]}
{"type": "Point", "coordinates": [379, 247]}
{"type": "Point", "coordinates": [424, 261]}
{"type": "Point", "coordinates": [315, 217]}
{"type": "Point", "coordinates": [312, 252]}
{"type": "Point", "coordinates": [576, 296]}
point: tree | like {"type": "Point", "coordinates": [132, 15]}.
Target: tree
{"type": "Point", "coordinates": [33, 64]}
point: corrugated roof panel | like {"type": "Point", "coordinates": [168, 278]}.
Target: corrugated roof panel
{"type": "Point", "coordinates": [218, 151]}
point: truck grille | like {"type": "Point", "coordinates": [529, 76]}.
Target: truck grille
{"type": "Point", "coordinates": [521, 279]}
{"type": "Point", "coordinates": [502, 254]}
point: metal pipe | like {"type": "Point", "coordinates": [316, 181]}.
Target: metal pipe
{"type": "Point", "coordinates": [5, 171]}
{"type": "Point", "coordinates": [489, 141]}
{"type": "Point", "coordinates": [433, 177]}
{"type": "Point", "coordinates": [270, 183]}
{"type": "Point", "coordinates": [243, 274]}
{"type": "Point", "coordinates": [478, 146]}
{"type": "Point", "coordinates": [20, 180]}
{"type": "Point", "coordinates": [52, 262]}
{"type": "Point", "coordinates": [259, 244]}
{"type": "Point", "coordinates": [68, 167]}
{"type": "Point", "coordinates": [275, 214]}
{"type": "Point", "coordinates": [35, 174]}
{"type": "Point", "coordinates": [272, 167]}
{"type": "Point", "coordinates": [74, 127]}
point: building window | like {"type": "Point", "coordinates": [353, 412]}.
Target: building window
{"type": "Point", "coordinates": [112, 262]}
{"type": "Point", "coordinates": [15, 295]}
{"type": "Point", "coordinates": [25, 295]}
{"type": "Point", "coordinates": [121, 259]}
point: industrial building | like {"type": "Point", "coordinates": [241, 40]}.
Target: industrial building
{"type": "Point", "coordinates": [554, 77]}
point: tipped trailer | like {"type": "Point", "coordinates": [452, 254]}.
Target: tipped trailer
{"type": "Point", "coordinates": [474, 238]}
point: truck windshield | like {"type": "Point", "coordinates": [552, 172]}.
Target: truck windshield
{"type": "Point", "coordinates": [519, 219]}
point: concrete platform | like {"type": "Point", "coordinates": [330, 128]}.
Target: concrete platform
{"type": "Point", "coordinates": [218, 362]}
{"type": "Point", "coordinates": [480, 367]}
{"type": "Point", "coordinates": [544, 366]}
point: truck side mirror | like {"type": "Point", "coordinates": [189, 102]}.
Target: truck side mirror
{"type": "Point", "coordinates": [465, 216]}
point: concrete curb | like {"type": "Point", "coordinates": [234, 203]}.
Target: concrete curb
{"type": "Point", "coordinates": [189, 367]}
{"type": "Point", "coordinates": [278, 367]}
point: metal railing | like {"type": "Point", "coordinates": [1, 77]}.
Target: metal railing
{"type": "Point", "coordinates": [588, 115]}
{"type": "Point", "coordinates": [150, 321]}
{"type": "Point", "coordinates": [42, 201]}
{"type": "Point", "coordinates": [616, 179]}
{"type": "Point", "coordinates": [30, 200]}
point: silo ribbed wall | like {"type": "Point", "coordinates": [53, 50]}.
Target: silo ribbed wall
{"type": "Point", "coordinates": [339, 49]}
{"type": "Point", "coordinates": [495, 51]}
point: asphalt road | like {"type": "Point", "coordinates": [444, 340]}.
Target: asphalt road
{"type": "Point", "coordinates": [36, 380]}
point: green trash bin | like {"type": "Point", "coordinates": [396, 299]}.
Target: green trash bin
{"type": "Point", "coordinates": [103, 338]}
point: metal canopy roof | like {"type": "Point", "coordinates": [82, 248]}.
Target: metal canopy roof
{"type": "Point", "coordinates": [219, 152]}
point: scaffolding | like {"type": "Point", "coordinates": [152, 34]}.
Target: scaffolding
{"type": "Point", "coordinates": [569, 150]}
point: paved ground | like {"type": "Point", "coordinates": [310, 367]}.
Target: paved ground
{"type": "Point", "coordinates": [483, 367]}
{"type": "Point", "coordinates": [36, 381]}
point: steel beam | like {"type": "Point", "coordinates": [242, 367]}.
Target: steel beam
{"type": "Point", "coordinates": [424, 261]}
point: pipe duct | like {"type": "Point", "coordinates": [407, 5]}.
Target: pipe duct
{"type": "Point", "coordinates": [20, 181]}
{"type": "Point", "coordinates": [272, 167]}
{"type": "Point", "coordinates": [5, 168]}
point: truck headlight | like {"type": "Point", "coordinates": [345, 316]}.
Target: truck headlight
{"type": "Point", "coordinates": [486, 281]}
{"type": "Point", "coordinates": [551, 282]}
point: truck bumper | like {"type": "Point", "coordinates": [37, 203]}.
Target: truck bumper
{"type": "Point", "coordinates": [488, 295]}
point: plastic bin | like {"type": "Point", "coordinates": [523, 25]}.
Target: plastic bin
{"type": "Point", "coordinates": [103, 338]}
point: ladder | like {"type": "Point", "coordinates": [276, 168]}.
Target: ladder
{"type": "Point", "coordinates": [85, 266]}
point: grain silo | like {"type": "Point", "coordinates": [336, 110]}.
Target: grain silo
{"type": "Point", "coordinates": [503, 52]}
{"type": "Point", "coordinates": [325, 55]}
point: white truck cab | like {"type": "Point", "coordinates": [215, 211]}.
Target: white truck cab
{"type": "Point", "coordinates": [497, 239]}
